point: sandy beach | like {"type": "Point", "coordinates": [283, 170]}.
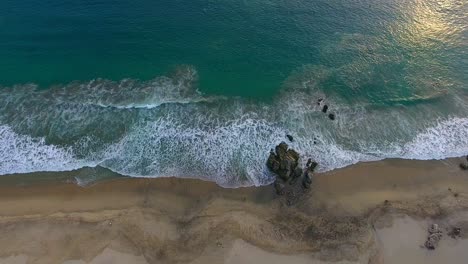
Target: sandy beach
{"type": "Point", "coordinates": [376, 212]}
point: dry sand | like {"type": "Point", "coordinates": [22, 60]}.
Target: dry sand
{"type": "Point", "coordinates": [342, 219]}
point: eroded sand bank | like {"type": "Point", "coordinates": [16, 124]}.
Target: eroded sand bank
{"type": "Point", "coordinates": [344, 218]}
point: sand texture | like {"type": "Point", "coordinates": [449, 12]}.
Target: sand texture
{"type": "Point", "coordinates": [375, 212]}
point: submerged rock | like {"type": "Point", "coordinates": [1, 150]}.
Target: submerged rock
{"type": "Point", "coordinates": [325, 108]}
{"type": "Point", "coordinates": [331, 116]}
{"type": "Point", "coordinates": [290, 138]}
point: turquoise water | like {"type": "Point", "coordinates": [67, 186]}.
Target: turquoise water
{"type": "Point", "coordinates": [205, 88]}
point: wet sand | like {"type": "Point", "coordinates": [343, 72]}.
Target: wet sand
{"type": "Point", "coordinates": [344, 218]}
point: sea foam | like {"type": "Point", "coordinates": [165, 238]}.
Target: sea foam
{"type": "Point", "coordinates": [166, 127]}
{"type": "Point", "coordinates": [22, 154]}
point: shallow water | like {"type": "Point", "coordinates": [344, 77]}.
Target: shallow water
{"type": "Point", "coordinates": [204, 89]}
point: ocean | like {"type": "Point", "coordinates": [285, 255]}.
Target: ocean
{"type": "Point", "coordinates": [204, 89]}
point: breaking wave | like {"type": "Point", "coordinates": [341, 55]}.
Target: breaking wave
{"type": "Point", "coordinates": [166, 127]}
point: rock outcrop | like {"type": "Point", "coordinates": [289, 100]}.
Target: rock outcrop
{"type": "Point", "coordinates": [435, 234]}
{"type": "Point", "coordinates": [310, 167]}
{"type": "Point", "coordinates": [285, 163]}
{"type": "Point", "coordinates": [325, 108]}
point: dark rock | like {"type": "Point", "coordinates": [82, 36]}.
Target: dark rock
{"type": "Point", "coordinates": [297, 172]}
{"type": "Point", "coordinates": [434, 228]}
{"type": "Point", "coordinates": [325, 108]}
{"type": "Point", "coordinates": [290, 138]}
{"type": "Point", "coordinates": [306, 183]}
{"type": "Point", "coordinates": [272, 163]}
{"type": "Point", "coordinates": [285, 175]}
{"type": "Point", "coordinates": [331, 116]}
{"type": "Point", "coordinates": [463, 166]}
{"type": "Point", "coordinates": [281, 150]}
{"type": "Point", "coordinates": [433, 241]}
{"type": "Point", "coordinates": [288, 163]}
{"type": "Point", "coordinates": [307, 180]}
{"type": "Point", "coordinates": [455, 232]}
{"type": "Point", "coordinates": [313, 165]}
{"type": "Point", "coordinates": [293, 181]}
{"type": "Point", "coordinates": [283, 145]}
{"type": "Point", "coordinates": [466, 157]}
{"type": "Point", "coordinates": [292, 155]}
{"type": "Point", "coordinates": [284, 162]}
{"type": "Point", "coordinates": [319, 101]}
{"type": "Point", "coordinates": [435, 234]}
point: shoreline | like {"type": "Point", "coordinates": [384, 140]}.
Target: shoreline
{"type": "Point", "coordinates": [104, 174]}
{"type": "Point", "coordinates": [346, 216]}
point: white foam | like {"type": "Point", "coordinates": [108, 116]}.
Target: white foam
{"type": "Point", "coordinates": [158, 102]}
{"type": "Point", "coordinates": [124, 94]}
{"type": "Point", "coordinates": [232, 155]}
{"type": "Point", "coordinates": [449, 138]}
{"type": "Point", "coordinates": [23, 154]}
{"type": "Point", "coordinates": [226, 141]}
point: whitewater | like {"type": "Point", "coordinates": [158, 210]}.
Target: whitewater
{"type": "Point", "coordinates": [165, 127]}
